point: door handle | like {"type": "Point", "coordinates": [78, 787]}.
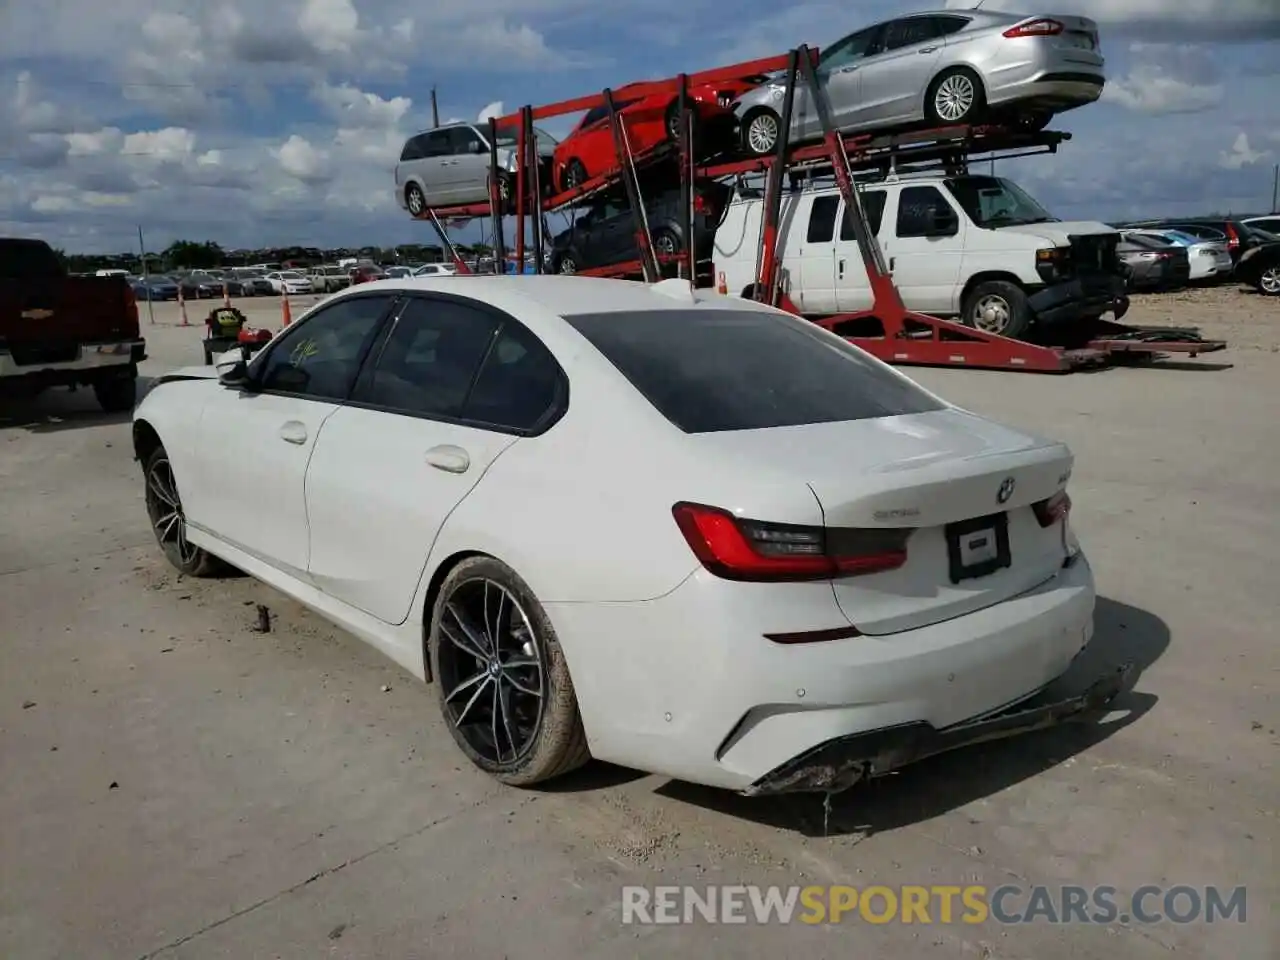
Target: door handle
{"type": "Point", "coordinates": [928, 49]}
{"type": "Point", "coordinates": [841, 269]}
{"type": "Point", "coordinates": [293, 431]}
{"type": "Point", "coordinates": [892, 263]}
{"type": "Point", "coordinates": [449, 458]}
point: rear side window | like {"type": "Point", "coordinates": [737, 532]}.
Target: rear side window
{"type": "Point", "coordinates": [873, 207]}
{"type": "Point", "coordinates": [22, 259]}
{"type": "Point", "coordinates": [712, 370]}
{"type": "Point", "coordinates": [822, 219]}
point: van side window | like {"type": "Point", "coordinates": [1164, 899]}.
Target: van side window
{"type": "Point", "coordinates": [434, 144]}
{"type": "Point", "coordinates": [873, 207]}
{"type": "Point", "coordinates": [918, 207]}
{"type": "Point", "coordinates": [822, 219]}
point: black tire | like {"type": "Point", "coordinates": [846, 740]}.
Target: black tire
{"type": "Point", "coordinates": [672, 119]}
{"type": "Point", "coordinates": [415, 200]}
{"type": "Point", "coordinates": [756, 141]}
{"type": "Point", "coordinates": [573, 174]}
{"type": "Point", "coordinates": [168, 522]}
{"type": "Point", "coordinates": [956, 80]}
{"type": "Point", "coordinates": [666, 243]}
{"type": "Point", "coordinates": [553, 742]}
{"type": "Point", "coordinates": [119, 393]}
{"type": "Point", "coordinates": [999, 307]}
{"type": "Point", "coordinates": [208, 355]}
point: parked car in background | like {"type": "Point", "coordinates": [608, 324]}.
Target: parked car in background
{"type": "Point", "coordinates": [1259, 267]}
{"type": "Point", "coordinates": [329, 278]}
{"type": "Point", "coordinates": [436, 270]}
{"type": "Point", "coordinates": [366, 273]}
{"type": "Point", "coordinates": [154, 288]}
{"type": "Point", "coordinates": [220, 280]}
{"type": "Point", "coordinates": [197, 287]}
{"type": "Point", "coordinates": [940, 68]}
{"type": "Point", "coordinates": [289, 281]}
{"type": "Point", "coordinates": [398, 272]}
{"type": "Point", "coordinates": [64, 331]}
{"type": "Point", "coordinates": [1208, 259]}
{"type": "Point", "coordinates": [1153, 264]}
{"type": "Point", "coordinates": [866, 564]}
{"type": "Point", "coordinates": [254, 282]}
{"type": "Point", "coordinates": [1269, 224]}
{"type": "Point", "coordinates": [605, 233]}
{"type": "Point", "coordinates": [974, 247]}
{"type": "Point", "coordinates": [449, 166]}
{"type": "Point", "coordinates": [1239, 237]}
{"type": "Point", "coordinates": [649, 121]}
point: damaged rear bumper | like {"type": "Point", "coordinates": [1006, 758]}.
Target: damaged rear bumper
{"type": "Point", "coordinates": [844, 761]}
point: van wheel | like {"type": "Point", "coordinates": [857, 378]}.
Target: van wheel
{"type": "Point", "coordinates": [955, 96]}
{"type": "Point", "coordinates": [760, 131]}
{"type": "Point", "coordinates": [414, 200]}
{"type": "Point", "coordinates": [998, 307]}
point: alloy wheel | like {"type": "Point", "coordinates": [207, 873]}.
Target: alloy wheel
{"type": "Point", "coordinates": [491, 665]}
{"type": "Point", "coordinates": [762, 133]}
{"type": "Point", "coordinates": [992, 314]}
{"type": "Point", "coordinates": [567, 266]}
{"type": "Point", "coordinates": [164, 507]}
{"type": "Point", "coordinates": [665, 244]}
{"type": "Point", "coordinates": [415, 201]}
{"type": "Point", "coordinates": [1270, 281]}
{"type": "Point", "coordinates": [954, 97]}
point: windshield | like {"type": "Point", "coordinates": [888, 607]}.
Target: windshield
{"type": "Point", "coordinates": [996, 202]}
{"type": "Point", "coordinates": [506, 139]}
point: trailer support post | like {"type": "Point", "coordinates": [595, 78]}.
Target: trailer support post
{"type": "Point", "coordinates": [648, 263]}
{"type": "Point", "coordinates": [495, 199]}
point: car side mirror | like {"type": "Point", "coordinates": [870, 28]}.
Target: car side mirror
{"type": "Point", "coordinates": [233, 369]}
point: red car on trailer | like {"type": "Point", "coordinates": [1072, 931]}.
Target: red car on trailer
{"type": "Point", "coordinates": [648, 121]}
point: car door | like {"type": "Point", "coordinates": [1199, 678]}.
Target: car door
{"type": "Point", "coordinates": [455, 385]}
{"type": "Point", "coordinates": [613, 235]}
{"type": "Point", "coordinates": [925, 260]}
{"type": "Point", "coordinates": [813, 263]}
{"type": "Point", "coordinates": [253, 447]}
{"type": "Point", "coordinates": [468, 169]}
{"type": "Point", "coordinates": [839, 74]}
{"type": "Point", "coordinates": [853, 285]}
{"type": "Point", "coordinates": [895, 76]}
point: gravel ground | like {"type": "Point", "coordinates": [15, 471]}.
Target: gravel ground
{"type": "Point", "coordinates": [177, 785]}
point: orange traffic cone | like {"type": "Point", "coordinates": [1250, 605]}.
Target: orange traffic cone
{"type": "Point", "coordinates": [226, 296]}
{"type": "Point", "coordinates": [721, 286]}
{"type": "Point", "coordinates": [286, 315]}
{"type": "Point", "coordinates": [182, 306]}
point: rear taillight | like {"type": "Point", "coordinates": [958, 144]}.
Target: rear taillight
{"type": "Point", "coordinates": [700, 204]}
{"type": "Point", "coordinates": [1040, 27]}
{"type": "Point", "coordinates": [1233, 238]}
{"type": "Point", "coordinates": [1048, 512]}
{"type": "Point", "coordinates": [751, 550]}
{"type": "Point", "coordinates": [131, 306]}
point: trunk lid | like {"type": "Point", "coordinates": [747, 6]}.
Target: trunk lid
{"type": "Point", "coordinates": [926, 472]}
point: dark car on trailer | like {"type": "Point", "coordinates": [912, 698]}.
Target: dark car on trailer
{"type": "Point", "coordinates": [1259, 266]}
{"type": "Point", "coordinates": [605, 234]}
{"type": "Point", "coordinates": [59, 330]}
{"type": "Point", "coordinates": [1153, 265]}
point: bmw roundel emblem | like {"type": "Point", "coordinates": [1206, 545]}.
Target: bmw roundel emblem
{"type": "Point", "coordinates": [1006, 490]}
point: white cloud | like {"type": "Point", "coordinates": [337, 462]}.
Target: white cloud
{"type": "Point", "coordinates": [1241, 154]}
{"type": "Point", "coordinates": [1151, 88]}
{"type": "Point", "coordinates": [303, 161]}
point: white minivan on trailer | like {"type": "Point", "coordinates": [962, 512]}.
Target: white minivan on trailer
{"type": "Point", "coordinates": [974, 247]}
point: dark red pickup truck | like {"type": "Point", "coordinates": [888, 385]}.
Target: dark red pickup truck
{"type": "Point", "coordinates": [57, 330]}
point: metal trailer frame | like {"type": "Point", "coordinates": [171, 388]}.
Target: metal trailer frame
{"type": "Point", "coordinates": [908, 337]}
{"type": "Point", "coordinates": [905, 337]}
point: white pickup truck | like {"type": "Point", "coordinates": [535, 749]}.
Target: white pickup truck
{"type": "Point", "coordinates": [974, 247]}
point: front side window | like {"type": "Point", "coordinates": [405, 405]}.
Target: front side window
{"type": "Point", "coordinates": [709, 369]}
{"type": "Point", "coordinates": [996, 202]}
{"type": "Point", "coordinates": [919, 209]}
{"type": "Point", "coordinates": [320, 358]}
{"type": "Point", "coordinates": [851, 49]}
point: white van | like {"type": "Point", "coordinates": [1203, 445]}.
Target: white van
{"type": "Point", "coordinates": [974, 247]}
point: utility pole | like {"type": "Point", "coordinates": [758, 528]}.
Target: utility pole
{"type": "Point", "coordinates": [1275, 190]}
{"type": "Point", "coordinates": [435, 109]}
{"type": "Point", "coordinates": [142, 249]}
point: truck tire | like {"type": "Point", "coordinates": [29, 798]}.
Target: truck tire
{"type": "Point", "coordinates": [117, 394]}
{"type": "Point", "coordinates": [997, 306]}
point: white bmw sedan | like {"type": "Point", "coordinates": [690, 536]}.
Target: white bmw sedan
{"type": "Point", "coordinates": [684, 533]}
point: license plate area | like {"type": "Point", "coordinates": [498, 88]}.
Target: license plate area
{"type": "Point", "coordinates": [978, 547]}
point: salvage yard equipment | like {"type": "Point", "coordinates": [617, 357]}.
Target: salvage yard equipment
{"type": "Point", "coordinates": [887, 329]}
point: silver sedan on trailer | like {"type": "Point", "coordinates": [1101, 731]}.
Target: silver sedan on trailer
{"type": "Point", "coordinates": [942, 68]}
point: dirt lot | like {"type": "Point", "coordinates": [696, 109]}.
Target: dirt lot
{"type": "Point", "coordinates": [177, 785]}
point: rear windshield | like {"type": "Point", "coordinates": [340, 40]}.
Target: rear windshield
{"type": "Point", "coordinates": [27, 259]}
{"type": "Point", "coordinates": [712, 370]}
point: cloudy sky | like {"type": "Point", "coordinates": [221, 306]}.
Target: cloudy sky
{"type": "Point", "coordinates": [255, 123]}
